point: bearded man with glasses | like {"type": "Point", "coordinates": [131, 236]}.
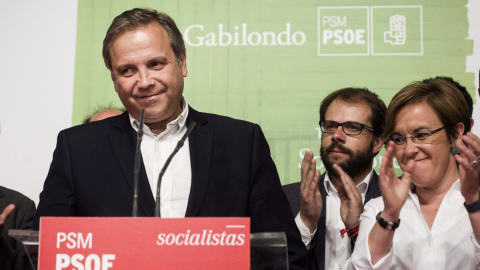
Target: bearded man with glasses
{"type": "Point", "coordinates": [328, 208]}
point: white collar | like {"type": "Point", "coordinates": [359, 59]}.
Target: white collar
{"type": "Point", "coordinates": [361, 187]}
{"type": "Point", "coordinates": [176, 126]}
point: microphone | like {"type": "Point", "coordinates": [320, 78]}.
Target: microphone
{"type": "Point", "coordinates": [136, 167]}
{"type": "Point", "coordinates": [162, 172]}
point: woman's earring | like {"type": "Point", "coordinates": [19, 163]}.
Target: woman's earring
{"type": "Point", "coordinates": [455, 150]}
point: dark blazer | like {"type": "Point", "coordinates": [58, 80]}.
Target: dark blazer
{"type": "Point", "coordinates": [233, 175]}
{"type": "Point", "coordinates": [12, 252]}
{"type": "Point", "coordinates": [316, 256]}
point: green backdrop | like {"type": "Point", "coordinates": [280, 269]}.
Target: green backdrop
{"type": "Point", "coordinates": [273, 61]}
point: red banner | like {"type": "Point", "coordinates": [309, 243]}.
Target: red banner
{"type": "Point", "coordinates": [144, 243]}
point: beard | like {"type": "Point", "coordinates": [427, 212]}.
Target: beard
{"type": "Point", "coordinates": [357, 163]}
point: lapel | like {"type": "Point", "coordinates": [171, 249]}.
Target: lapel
{"type": "Point", "coordinates": [201, 147]}
{"type": "Point", "coordinates": [321, 227]}
{"type": "Point", "coordinates": [123, 139]}
{"type": "Point", "coordinates": [373, 190]}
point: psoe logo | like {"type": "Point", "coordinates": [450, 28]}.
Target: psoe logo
{"type": "Point", "coordinates": [196, 36]}
{"type": "Point", "coordinates": [397, 34]}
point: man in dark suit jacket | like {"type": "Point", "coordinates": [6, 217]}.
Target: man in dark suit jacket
{"type": "Point", "coordinates": [316, 255]}
{"type": "Point", "coordinates": [232, 173]}
{"type": "Point", "coordinates": [351, 121]}
{"type": "Point", "coordinates": [18, 212]}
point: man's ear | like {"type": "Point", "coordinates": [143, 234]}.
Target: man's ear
{"type": "Point", "coordinates": [378, 144]}
{"type": "Point", "coordinates": [183, 64]}
{"type": "Point", "coordinates": [114, 80]}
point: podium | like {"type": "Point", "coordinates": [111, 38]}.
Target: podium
{"type": "Point", "coordinates": [152, 243]}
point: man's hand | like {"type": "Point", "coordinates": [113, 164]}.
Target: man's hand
{"type": "Point", "coordinates": [311, 199]}
{"type": "Point", "coordinates": [4, 216]}
{"type": "Point", "coordinates": [351, 204]}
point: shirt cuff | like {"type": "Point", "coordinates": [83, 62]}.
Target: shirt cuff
{"type": "Point", "coordinates": [304, 231]}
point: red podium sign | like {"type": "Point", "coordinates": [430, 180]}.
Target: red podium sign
{"type": "Point", "coordinates": [144, 243]}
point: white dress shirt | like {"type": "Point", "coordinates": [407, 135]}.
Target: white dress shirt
{"type": "Point", "coordinates": [449, 244]}
{"type": "Point", "coordinates": [337, 249]}
{"type": "Point", "coordinates": [177, 180]}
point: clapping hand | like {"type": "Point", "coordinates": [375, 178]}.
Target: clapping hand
{"type": "Point", "coordinates": [469, 166]}
{"type": "Point", "coordinates": [351, 204]}
{"type": "Point", "coordinates": [310, 196]}
{"type": "Point", "coordinates": [394, 190]}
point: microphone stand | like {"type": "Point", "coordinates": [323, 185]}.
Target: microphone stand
{"type": "Point", "coordinates": [136, 167]}
{"type": "Point", "coordinates": [162, 172]}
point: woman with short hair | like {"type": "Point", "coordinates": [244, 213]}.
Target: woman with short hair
{"type": "Point", "coordinates": [430, 217]}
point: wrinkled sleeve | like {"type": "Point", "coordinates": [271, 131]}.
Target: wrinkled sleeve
{"type": "Point", "coordinates": [361, 258]}
{"type": "Point", "coordinates": [304, 231]}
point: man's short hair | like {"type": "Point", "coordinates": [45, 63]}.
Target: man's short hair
{"type": "Point", "coordinates": [135, 18]}
{"type": "Point", "coordinates": [362, 96]}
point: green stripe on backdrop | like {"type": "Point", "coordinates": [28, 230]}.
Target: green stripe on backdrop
{"type": "Point", "coordinates": [284, 57]}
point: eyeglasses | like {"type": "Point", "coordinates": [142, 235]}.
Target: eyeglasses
{"type": "Point", "coordinates": [349, 128]}
{"type": "Point", "coordinates": [423, 137]}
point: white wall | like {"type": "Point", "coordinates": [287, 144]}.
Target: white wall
{"type": "Point", "coordinates": [37, 53]}
{"type": "Point", "coordinates": [473, 61]}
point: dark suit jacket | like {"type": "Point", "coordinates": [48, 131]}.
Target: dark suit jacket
{"type": "Point", "coordinates": [316, 256]}
{"type": "Point", "coordinates": [233, 175]}
{"type": "Point", "coordinates": [12, 252]}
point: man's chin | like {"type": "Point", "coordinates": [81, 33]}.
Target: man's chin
{"type": "Point", "coordinates": [338, 160]}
